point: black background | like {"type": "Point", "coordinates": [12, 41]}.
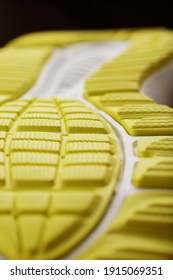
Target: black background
{"type": "Point", "coordinates": [19, 17]}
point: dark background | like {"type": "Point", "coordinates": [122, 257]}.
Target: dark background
{"type": "Point", "coordinates": [19, 17]}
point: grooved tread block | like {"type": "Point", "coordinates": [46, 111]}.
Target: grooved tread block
{"type": "Point", "coordinates": [30, 228]}
{"type": "Point", "coordinates": [44, 109]}
{"type": "Point", "coordinates": [154, 173]}
{"type": "Point", "coordinates": [42, 176]}
{"type": "Point", "coordinates": [41, 116]}
{"type": "Point", "coordinates": [89, 146]}
{"type": "Point", "coordinates": [85, 126]}
{"type": "Point", "coordinates": [31, 158]}
{"type": "Point", "coordinates": [37, 135]}
{"type": "Point", "coordinates": [89, 138]}
{"type": "Point", "coordinates": [11, 109]}
{"type": "Point", "coordinates": [140, 110]}
{"type": "Point", "coordinates": [58, 229]}
{"type": "Point", "coordinates": [5, 124]}
{"type": "Point", "coordinates": [86, 175]}
{"type": "Point", "coordinates": [6, 115]}
{"type": "Point", "coordinates": [116, 99]}
{"type": "Point", "coordinates": [19, 69]}
{"type": "Point", "coordinates": [35, 145]}
{"type": "Point", "coordinates": [74, 203]}
{"type": "Point", "coordinates": [101, 88]}
{"type": "Point", "coordinates": [132, 234]}
{"type": "Point", "coordinates": [75, 110]}
{"type": "Point", "coordinates": [39, 125]}
{"type": "Point", "coordinates": [69, 103]}
{"type": "Point", "coordinates": [81, 116]}
{"type": "Point", "coordinates": [155, 146]}
{"type": "Point", "coordinates": [87, 158]}
{"type": "Point", "coordinates": [149, 126]}
{"type": "Point", "coordinates": [31, 202]}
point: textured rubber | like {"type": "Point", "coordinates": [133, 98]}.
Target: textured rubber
{"type": "Point", "coordinates": [146, 215]}
{"type": "Point", "coordinates": [19, 70]}
{"type": "Point", "coordinates": [133, 233]}
{"type": "Point", "coordinates": [61, 162]}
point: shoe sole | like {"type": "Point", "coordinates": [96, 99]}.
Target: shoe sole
{"type": "Point", "coordinates": [85, 176]}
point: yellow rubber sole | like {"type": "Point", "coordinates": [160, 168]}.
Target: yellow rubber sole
{"type": "Point", "coordinates": [62, 162]}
